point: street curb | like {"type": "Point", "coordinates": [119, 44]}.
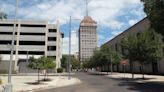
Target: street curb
{"type": "Point", "coordinates": [49, 87]}
{"type": "Point", "coordinates": [37, 89]}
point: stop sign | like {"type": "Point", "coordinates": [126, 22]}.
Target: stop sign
{"type": "Point", "coordinates": [123, 61]}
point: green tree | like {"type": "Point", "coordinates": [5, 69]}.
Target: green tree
{"type": "Point", "coordinates": [96, 59]}
{"type": "Point", "coordinates": [75, 63]}
{"type": "Point", "coordinates": [35, 64]}
{"type": "Point", "coordinates": [64, 61]}
{"type": "Point", "coordinates": [130, 45]}
{"type": "Point", "coordinates": [116, 57]}
{"type": "Point", "coordinates": [155, 12]}
{"type": "Point", "coordinates": [106, 53]}
{"type": "Point", "coordinates": [148, 48]}
{"type": "Point", "coordinates": [86, 64]}
{"type": "Point", "coordinates": [144, 48]}
{"type": "Point", "coordinates": [110, 55]}
{"type": "Point", "coordinates": [47, 63]}
{"type": "Point", "coordinates": [102, 58]}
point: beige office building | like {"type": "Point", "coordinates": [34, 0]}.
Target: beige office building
{"type": "Point", "coordinates": [35, 38]}
{"type": "Point", "coordinates": [87, 38]}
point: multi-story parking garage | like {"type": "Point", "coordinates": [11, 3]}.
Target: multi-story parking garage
{"type": "Point", "coordinates": [31, 37]}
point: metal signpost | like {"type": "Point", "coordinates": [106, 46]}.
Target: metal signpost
{"type": "Point", "coordinates": [124, 62]}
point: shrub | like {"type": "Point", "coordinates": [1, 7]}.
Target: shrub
{"type": "Point", "coordinates": [59, 70]}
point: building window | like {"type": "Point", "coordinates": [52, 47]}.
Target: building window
{"type": "Point", "coordinates": [31, 43]}
{"type": "Point", "coordinates": [8, 25]}
{"type": "Point", "coordinates": [8, 33]}
{"type": "Point", "coordinates": [23, 33]}
{"type": "Point", "coordinates": [29, 25]}
{"type": "Point", "coordinates": [6, 42]}
{"type": "Point", "coordinates": [52, 30]}
{"type": "Point", "coordinates": [116, 47]}
{"type": "Point", "coordinates": [51, 48]}
{"type": "Point", "coordinates": [53, 57]}
{"type": "Point", "coordinates": [51, 38]}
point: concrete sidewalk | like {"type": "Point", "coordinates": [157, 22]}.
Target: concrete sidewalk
{"type": "Point", "coordinates": [24, 83]}
{"type": "Point", "coordinates": [42, 74]}
{"type": "Point", "coordinates": [137, 77]}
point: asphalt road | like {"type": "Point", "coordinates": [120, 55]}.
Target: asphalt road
{"type": "Point", "coordinates": [99, 83]}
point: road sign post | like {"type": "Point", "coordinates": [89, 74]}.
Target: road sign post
{"type": "Point", "coordinates": [124, 63]}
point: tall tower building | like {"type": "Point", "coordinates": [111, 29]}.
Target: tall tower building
{"type": "Point", "coordinates": [87, 38]}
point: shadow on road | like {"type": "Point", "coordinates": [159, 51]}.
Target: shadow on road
{"type": "Point", "coordinates": [99, 74]}
{"type": "Point", "coordinates": [155, 86]}
{"type": "Point", "coordinates": [132, 84]}
{"type": "Point", "coordinates": [144, 87]}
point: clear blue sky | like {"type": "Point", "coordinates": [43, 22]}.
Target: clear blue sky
{"type": "Point", "coordinates": [112, 16]}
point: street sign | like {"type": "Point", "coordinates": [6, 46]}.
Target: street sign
{"type": "Point", "coordinates": [123, 61]}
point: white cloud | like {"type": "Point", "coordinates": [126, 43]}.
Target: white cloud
{"type": "Point", "coordinates": [114, 33]}
{"type": "Point", "coordinates": [105, 12]}
{"type": "Point", "coordinates": [74, 43]}
{"type": "Point", "coordinates": [132, 22]}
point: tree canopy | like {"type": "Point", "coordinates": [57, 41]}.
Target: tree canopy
{"type": "Point", "coordinates": [41, 63]}
{"type": "Point", "coordinates": [144, 48]}
{"type": "Point", "coordinates": [64, 61]}
{"type": "Point", "coordinates": [103, 57]}
{"type": "Point", "coordinates": [155, 12]}
{"type": "Point", "coordinates": [73, 61]}
{"type": "Point", "coordinates": [35, 63]}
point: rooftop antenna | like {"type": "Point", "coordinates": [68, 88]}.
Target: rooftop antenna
{"type": "Point", "coordinates": [86, 7]}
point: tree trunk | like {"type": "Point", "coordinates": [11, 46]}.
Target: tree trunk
{"type": "Point", "coordinates": [118, 68]}
{"type": "Point", "coordinates": [45, 75]}
{"type": "Point", "coordinates": [142, 68]}
{"type": "Point", "coordinates": [107, 69]}
{"type": "Point", "coordinates": [38, 76]}
{"type": "Point", "coordinates": [131, 68]}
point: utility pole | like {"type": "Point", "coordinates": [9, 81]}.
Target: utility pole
{"type": "Point", "coordinates": [86, 7]}
{"type": "Point", "coordinates": [111, 66]}
{"type": "Point", "coordinates": [8, 87]}
{"type": "Point", "coordinates": [27, 61]}
{"type": "Point", "coordinates": [69, 60]}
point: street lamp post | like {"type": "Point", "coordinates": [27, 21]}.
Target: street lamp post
{"type": "Point", "coordinates": [69, 58]}
{"type": "Point", "coordinates": [8, 87]}
{"type": "Point", "coordinates": [111, 66]}
{"type": "Point", "coordinates": [27, 61]}
{"type": "Point", "coordinates": [69, 70]}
